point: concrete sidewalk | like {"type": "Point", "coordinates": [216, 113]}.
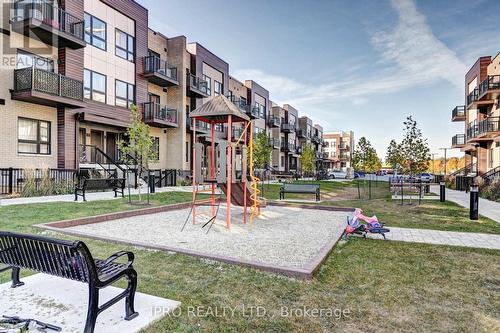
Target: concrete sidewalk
{"type": "Point", "coordinates": [487, 208]}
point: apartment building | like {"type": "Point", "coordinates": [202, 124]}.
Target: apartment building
{"type": "Point", "coordinates": [72, 69]}
{"type": "Point", "coordinates": [338, 149]}
{"type": "Point", "coordinates": [480, 139]}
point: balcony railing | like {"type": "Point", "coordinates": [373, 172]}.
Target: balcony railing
{"type": "Point", "coordinates": [64, 90]}
{"type": "Point", "coordinates": [489, 125]}
{"type": "Point", "coordinates": [458, 140]}
{"type": "Point", "coordinates": [46, 21]}
{"type": "Point", "coordinates": [240, 103]}
{"type": "Point", "coordinates": [200, 125]}
{"type": "Point", "coordinates": [288, 146]}
{"type": "Point", "coordinates": [287, 127]}
{"type": "Point", "coordinates": [344, 156]}
{"type": "Point", "coordinates": [343, 146]}
{"type": "Point", "coordinates": [160, 115]}
{"type": "Point", "coordinates": [458, 113]}
{"type": "Point", "coordinates": [273, 121]}
{"type": "Point", "coordinates": [197, 85]}
{"type": "Point", "coordinates": [492, 82]}
{"type": "Point", "coordinates": [472, 130]}
{"type": "Point", "coordinates": [301, 133]}
{"type": "Point", "coordinates": [473, 96]}
{"type": "Point", "coordinates": [159, 71]}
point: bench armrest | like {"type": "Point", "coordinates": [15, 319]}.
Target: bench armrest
{"type": "Point", "coordinates": [119, 254]}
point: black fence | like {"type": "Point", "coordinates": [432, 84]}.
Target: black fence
{"type": "Point", "coordinates": [164, 177]}
{"type": "Point", "coordinates": [13, 180]}
{"type": "Point", "coordinates": [463, 183]}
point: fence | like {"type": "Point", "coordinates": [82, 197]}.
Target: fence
{"type": "Point", "coordinates": [167, 177]}
{"type": "Point", "coordinates": [12, 180]}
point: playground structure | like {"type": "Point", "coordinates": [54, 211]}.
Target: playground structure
{"type": "Point", "coordinates": [224, 163]}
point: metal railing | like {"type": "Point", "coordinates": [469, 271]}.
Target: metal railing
{"type": "Point", "coordinates": [490, 124]}
{"type": "Point", "coordinates": [13, 180]}
{"type": "Point", "coordinates": [196, 83]}
{"type": "Point", "coordinates": [153, 64]}
{"type": "Point", "coordinates": [287, 126]}
{"type": "Point", "coordinates": [49, 15]}
{"type": "Point", "coordinates": [473, 96]}
{"type": "Point", "coordinates": [472, 130]}
{"type": "Point", "coordinates": [458, 111]}
{"type": "Point", "coordinates": [31, 78]}
{"type": "Point", "coordinates": [275, 143]}
{"type": "Point", "coordinates": [344, 156]}
{"type": "Point", "coordinates": [458, 139]}
{"type": "Point", "coordinates": [155, 111]}
{"type": "Point", "coordinates": [491, 175]}
{"type": "Point", "coordinates": [240, 103]}
{"type": "Point", "coordinates": [343, 146]}
{"type": "Point", "coordinates": [273, 121]}
{"type": "Point", "coordinates": [490, 83]}
{"type": "Point", "coordinates": [200, 125]}
{"type": "Point", "coordinates": [288, 146]}
{"type": "Point", "coordinates": [469, 168]}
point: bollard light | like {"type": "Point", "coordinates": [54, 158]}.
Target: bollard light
{"type": "Point", "coordinates": [474, 202]}
{"type": "Point", "coordinates": [442, 190]}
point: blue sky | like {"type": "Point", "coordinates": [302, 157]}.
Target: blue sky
{"type": "Point", "coordinates": [362, 65]}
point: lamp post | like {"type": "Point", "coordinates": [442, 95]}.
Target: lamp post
{"type": "Point", "coordinates": [445, 160]}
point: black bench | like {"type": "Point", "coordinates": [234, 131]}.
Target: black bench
{"type": "Point", "coordinates": [85, 184]}
{"type": "Point", "coordinates": [300, 188]}
{"type": "Point", "coordinates": [70, 260]}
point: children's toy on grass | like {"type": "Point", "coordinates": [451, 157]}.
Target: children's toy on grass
{"type": "Point", "coordinates": [372, 226]}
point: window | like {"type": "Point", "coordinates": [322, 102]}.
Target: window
{"type": "Point", "coordinates": [156, 148]}
{"type": "Point", "coordinates": [124, 45]}
{"type": "Point", "coordinates": [282, 161]}
{"type": "Point", "coordinates": [26, 60]}
{"type": "Point", "coordinates": [217, 87]}
{"type": "Point", "coordinates": [261, 108]}
{"type": "Point", "coordinates": [490, 157]}
{"type": "Point", "coordinates": [95, 31]}
{"type": "Point", "coordinates": [124, 94]}
{"type": "Point", "coordinates": [94, 86]}
{"type": "Point", "coordinates": [209, 84]}
{"type": "Point", "coordinates": [33, 136]}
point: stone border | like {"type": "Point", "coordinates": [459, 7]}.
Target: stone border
{"type": "Point", "coordinates": [302, 273]}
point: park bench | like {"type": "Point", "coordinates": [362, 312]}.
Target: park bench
{"type": "Point", "coordinates": [70, 260]}
{"type": "Point", "coordinates": [85, 184]}
{"type": "Point", "coordinates": [300, 188]}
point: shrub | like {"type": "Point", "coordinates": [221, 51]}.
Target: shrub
{"type": "Point", "coordinates": [491, 191]}
{"type": "Point", "coordinates": [29, 188]}
{"type": "Point", "coordinates": [47, 185]}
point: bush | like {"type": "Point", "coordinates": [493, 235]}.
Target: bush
{"type": "Point", "coordinates": [29, 188]}
{"type": "Point", "coordinates": [491, 191]}
{"type": "Point", "coordinates": [47, 185]}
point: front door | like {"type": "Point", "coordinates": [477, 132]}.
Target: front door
{"type": "Point", "coordinates": [97, 140]}
{"type": "Point", "coordinates": [111, 149]}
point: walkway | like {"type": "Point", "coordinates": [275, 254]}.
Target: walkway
{"type": "Point", "coordinates": [487, 208]}
{"type": "Point", "coordinates": [436, 237]}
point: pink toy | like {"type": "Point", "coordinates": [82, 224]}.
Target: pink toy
{"type": "Point", "coordinates": [358, 214]}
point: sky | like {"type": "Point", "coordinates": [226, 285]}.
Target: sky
{"type": "Point", "coordinates": [358, 65]}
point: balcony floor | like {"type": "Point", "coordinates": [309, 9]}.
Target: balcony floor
{"type": "Point", "coordinates": [41, 98]}
{"type": "Point", "coordinates": [160, 80]}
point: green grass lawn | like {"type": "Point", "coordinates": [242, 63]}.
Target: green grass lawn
{"type": "Point", "coordinates": [380, 285]}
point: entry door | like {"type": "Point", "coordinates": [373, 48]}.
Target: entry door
{"type": "Point", "coordinates": [82, 136]}
{"type": "Point", "coordinates": [111, 145]}
{"type": "Point", "coordinates": [96, 139]}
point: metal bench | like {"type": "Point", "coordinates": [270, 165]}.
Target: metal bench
{"type": "Point", "coordinates": [85, 184]}
{"type": "Point", "coordinates": [70, 260]}
{"type": "Point", "coordinates": [300, 188]}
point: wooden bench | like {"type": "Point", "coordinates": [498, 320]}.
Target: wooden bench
{"type": "Point", "coordinates": [85, 184]}
{"type": "Point", "coordinates": [70, 260]}
{"type": "Point", "coordinates": [300, 188]}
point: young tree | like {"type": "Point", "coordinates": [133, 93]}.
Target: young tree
{"type": "Point", "coordinates": [261, 151]}
{"type": "Point", "coordinates": [139, 148]}
{"type": "Point", "coordinates": [308, 158]}
{"type": "Point", "coordinates": [414, 148]}
{"type": "Point", "coordinates": [394, 156]}
{"type": "Point", "coordinates": [365, 157]}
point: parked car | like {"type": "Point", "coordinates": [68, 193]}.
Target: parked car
{"type": "Point", "coordinates": [337, 174]}
{"type": "Point", "coordinates": [426, 177]}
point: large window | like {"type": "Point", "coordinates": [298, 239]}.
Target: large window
{"type": "Point", "coordinates": [95, 31]}
{"type": "Point", "coordinates": [261, 108]}
{"type": "Point", "coordinates": [209, 84]}
{"type": "Point", "coordinates": [156, 148]}
{"type": "Point", "coordinates": [33, 136]}
{"type": "Point", "coordinates": [94, 86]}
{"type": "Point", "coordinates": [217, 87]}
{"type": "Point", "coordinates": [124, 45]}
{"type": "Point", "coordinates": [26, 60]}
{"type": "Point", "coordinates": [124, 94]}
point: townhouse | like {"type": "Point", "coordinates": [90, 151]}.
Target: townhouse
{"type": "Point", "coordinates": [72, 69]}
{"type": "Point", "coordinates": [339, 147]}
{"type": "Point", "coordinates": [480, 139]}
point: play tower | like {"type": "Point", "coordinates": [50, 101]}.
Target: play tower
{"type": "Point", "coordinates": [224, 163]}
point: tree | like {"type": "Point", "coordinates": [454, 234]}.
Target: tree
{"type": "Point", "coordinates": [139, 147]}
{"type": "Point", "coordinates": [365, 157]}
{"type": "Point", "coordinates": [308, 158]}
{"type": "Point", "coordinates": [394, 156]}
{"type": "Point", "coordinates": [261, 151]}
{"type": "Point", "coordinates": [414, 148]}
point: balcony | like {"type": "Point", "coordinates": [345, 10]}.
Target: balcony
{"type": "Point", "coordinates": [344, 156]}
{"type": "Point", "coordinates": [488, 128]}
{"type": "Point", "coordinates": [472, 97]}
{"type": "Point", "coordinates": [287, 147]}
{"type": "Point", "coordinates": [159, 115]}
{"type": "Point", "coordinates": [458, 141]}
{"type": "Point", "coordinates": [49, 24]}
{"type": "Point", "coordinates": [489, 89]}
{"type": "Point", "coordinates": [301, 133]}
{"type": "Point", "coordinates": [159, 72]}
{"type": "Point", "coordinates": [196, 87]}
{"type": "Point", "coordinates": [299, 150]}
{"type": "Point", "coordinates": [43, 87]}
{"type": "Point", "coordinates": [235, 133]}
{"type": "Point", "coordinates": [472, 130]}
{"type": "Point", "coordinates": [244, 107]}
{"type": "Point", "coordinates": [458, 113]}
{"type": "Point", "coordinates": [344, 146]}
{"type": "Point", "coordinates": [201, 126]}
{"type": "Point", "coordinates": [273, 121]}
{"type": "Point", "coordinates": [275, 143]}
{"type": "Point", "coordinates": [287, 127]}
{"type": "Point", "coordinates": [325, 156]}
{"type": "Point", "coordinates": [316, 139]}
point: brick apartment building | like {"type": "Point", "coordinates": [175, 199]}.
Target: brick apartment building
{"type": "Point", "coordinates": [71, 69]}
{"type": "Point", "coordinates": [480, 138]}
{"type": "Point", "coordinates": [339, 147]}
